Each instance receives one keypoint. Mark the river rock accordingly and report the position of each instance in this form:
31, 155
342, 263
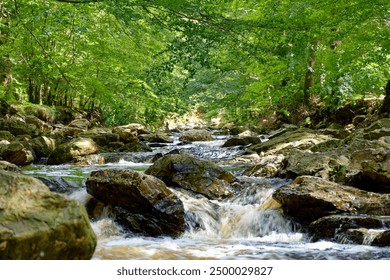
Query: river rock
370, 170
335, 227
301, 138
38, 224
5, 165
70, 151
241, 141
267, 166
126, 134
83, 124
374, 237
378, 129
42, 146
308, 198
199, 176
18, 126
194, 135
17, 153
142, 203
157, 137
62, 132
40, 125
326, 165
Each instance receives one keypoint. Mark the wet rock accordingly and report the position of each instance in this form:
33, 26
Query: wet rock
326, 165
364, 236
38, 224
199, 176
301, 138
307, 199
242, 141
194, 135
156, 138
335, 227
68, 152
268, 166
17, 153
141, 203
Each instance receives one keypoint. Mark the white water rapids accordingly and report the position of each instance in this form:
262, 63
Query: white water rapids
247, 226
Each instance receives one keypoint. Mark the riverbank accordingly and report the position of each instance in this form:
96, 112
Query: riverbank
332, 183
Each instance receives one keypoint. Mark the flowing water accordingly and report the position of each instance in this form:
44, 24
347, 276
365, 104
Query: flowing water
246, 226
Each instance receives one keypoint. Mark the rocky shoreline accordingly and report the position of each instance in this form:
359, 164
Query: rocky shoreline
340, 189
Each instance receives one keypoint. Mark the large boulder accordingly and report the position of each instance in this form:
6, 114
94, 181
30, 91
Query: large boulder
308, 198
83, 124
126, 134
327, 165
141, 203
377, 129
18, 126
338, 227
301, 138
189, 173
38, 224
72, 151
5, 165
267, 166
42, 146
17, 153
370, 170
194, 135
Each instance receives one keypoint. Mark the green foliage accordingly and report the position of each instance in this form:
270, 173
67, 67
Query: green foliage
137, 61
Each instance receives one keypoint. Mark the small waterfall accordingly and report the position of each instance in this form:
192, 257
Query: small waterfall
251, 214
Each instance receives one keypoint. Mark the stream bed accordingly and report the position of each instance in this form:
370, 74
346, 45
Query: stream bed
239, 228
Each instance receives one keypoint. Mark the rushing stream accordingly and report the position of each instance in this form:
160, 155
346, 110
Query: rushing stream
243, 227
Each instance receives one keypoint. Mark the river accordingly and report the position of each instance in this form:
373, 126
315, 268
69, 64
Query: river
242, 227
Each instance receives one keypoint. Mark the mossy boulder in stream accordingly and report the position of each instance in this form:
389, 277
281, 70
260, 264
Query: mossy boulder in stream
189, 173
140, 202
38, 224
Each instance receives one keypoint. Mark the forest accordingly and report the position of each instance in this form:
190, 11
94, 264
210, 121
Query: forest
243, 60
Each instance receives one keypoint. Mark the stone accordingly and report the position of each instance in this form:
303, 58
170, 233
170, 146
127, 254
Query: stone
126, 134
38, 224
242, 141
334, 227
42, 146
308, 198
194, 135
17, 153
6, 135
377, 129
135, 147
158, 137
5, 165
268, 166
141, 203
83, 124
70, 151
301, 138
192, 174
